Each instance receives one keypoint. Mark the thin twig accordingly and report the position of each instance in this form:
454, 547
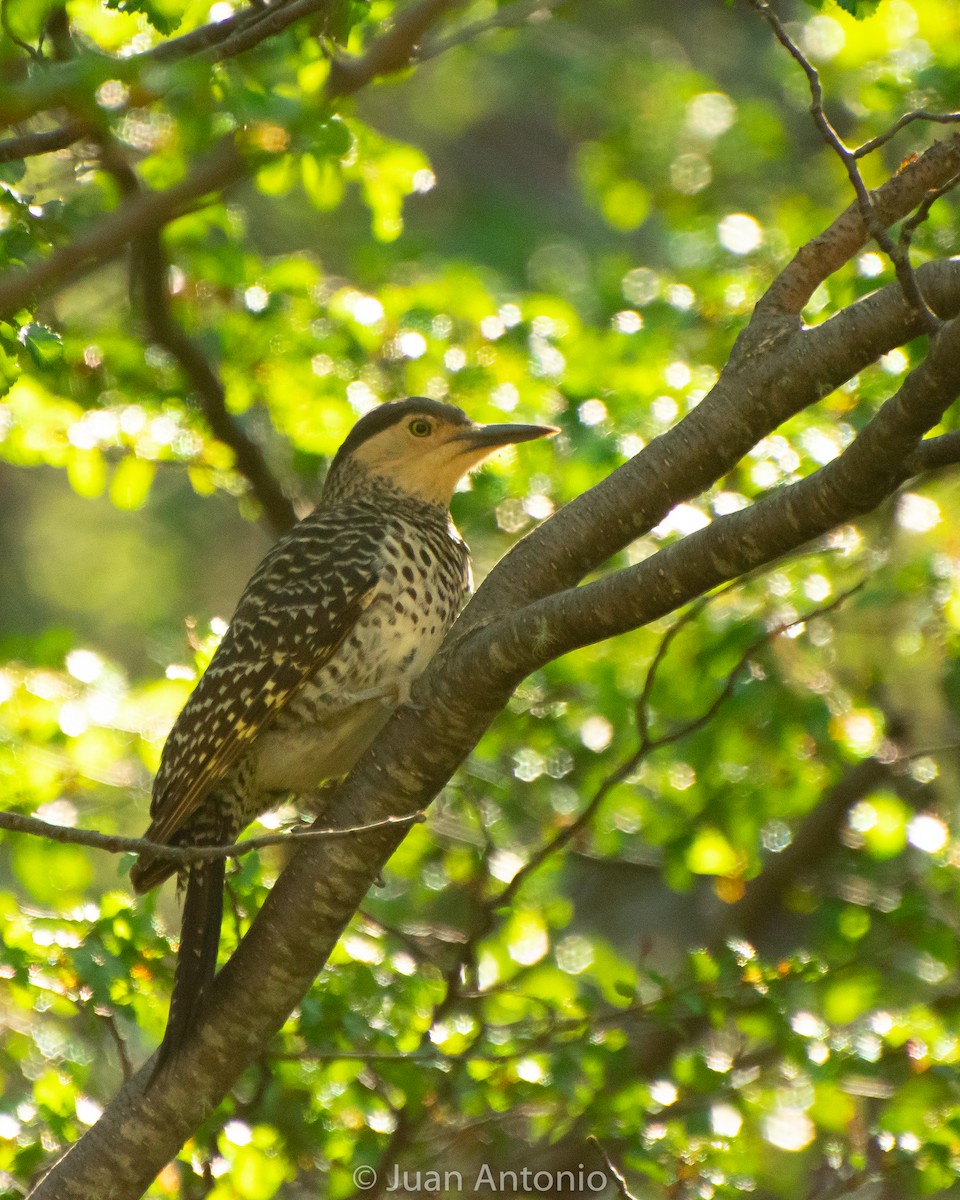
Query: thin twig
918, 114
393, 51
243, 31
615, 1172
17, 41
512, 16
115, 844
149, 268
909, 227
642, 706
166, 331
647, 745
110, 1021
897, 253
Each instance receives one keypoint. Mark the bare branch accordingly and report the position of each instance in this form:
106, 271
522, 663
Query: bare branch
17, 41
869, 470
918, 114
110, 1022
511, 16
167, 332
64, 83
646, 743
616, 1174
115, 844
391, 52
244, 30
817, 834
909, 227
898, 253
766, 382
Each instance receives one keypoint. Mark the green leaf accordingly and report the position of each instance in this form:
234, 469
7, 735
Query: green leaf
164, 15
43, 343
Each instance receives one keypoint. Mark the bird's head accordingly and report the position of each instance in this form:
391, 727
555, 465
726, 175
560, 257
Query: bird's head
419, 447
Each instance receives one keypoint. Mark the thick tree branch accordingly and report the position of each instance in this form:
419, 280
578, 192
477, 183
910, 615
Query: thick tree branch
868, 471
757, 391
935, 453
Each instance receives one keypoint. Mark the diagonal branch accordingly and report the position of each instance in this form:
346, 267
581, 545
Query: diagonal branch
62, 84
224, 166
647, 744
307, 910
167, 332
866, 473
149, 267
237, 34
848, 234
760, 388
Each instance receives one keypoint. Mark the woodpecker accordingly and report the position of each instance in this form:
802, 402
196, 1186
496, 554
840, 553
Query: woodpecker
329, 635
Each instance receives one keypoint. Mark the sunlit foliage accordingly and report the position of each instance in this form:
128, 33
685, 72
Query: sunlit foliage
567, 221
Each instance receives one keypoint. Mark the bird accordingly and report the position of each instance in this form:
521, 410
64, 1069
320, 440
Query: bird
330, 634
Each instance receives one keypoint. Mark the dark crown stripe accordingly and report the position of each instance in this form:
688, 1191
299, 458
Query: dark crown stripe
385, 415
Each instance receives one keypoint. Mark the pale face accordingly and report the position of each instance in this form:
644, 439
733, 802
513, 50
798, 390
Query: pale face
426, 456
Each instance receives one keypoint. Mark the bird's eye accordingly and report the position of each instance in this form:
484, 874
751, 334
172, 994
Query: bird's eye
420, 427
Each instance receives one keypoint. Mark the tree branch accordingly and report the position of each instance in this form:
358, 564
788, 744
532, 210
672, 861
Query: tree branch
237, 34
391, 52
935, 453
115, 844
305, 913
619, 1180
167, 332
150, 269
761, 387
898, 253
26, 145
868, 471
64, 84
847, 236
223, 166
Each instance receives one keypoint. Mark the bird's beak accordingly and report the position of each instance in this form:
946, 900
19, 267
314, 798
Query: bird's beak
491, 437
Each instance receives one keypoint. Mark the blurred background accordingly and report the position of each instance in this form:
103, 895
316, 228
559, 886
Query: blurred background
564, 213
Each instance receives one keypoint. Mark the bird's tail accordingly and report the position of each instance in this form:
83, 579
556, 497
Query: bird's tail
197, 960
